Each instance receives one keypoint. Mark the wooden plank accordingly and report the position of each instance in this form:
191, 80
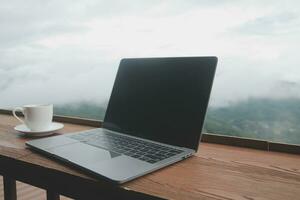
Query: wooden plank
235, 141
273, 146
77, 120
234, 176
215, 172
10, 190
289, 163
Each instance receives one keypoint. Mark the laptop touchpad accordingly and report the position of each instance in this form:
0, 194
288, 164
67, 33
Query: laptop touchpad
82, 153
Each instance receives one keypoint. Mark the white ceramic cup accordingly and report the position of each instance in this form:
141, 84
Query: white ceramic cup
36, 117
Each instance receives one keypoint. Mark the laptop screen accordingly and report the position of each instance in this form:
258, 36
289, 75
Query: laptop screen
162, 99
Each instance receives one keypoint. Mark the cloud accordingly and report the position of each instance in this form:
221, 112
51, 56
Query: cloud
24, 22
275, 24
68, 51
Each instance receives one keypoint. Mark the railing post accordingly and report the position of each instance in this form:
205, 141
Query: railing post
10, 190
52, 195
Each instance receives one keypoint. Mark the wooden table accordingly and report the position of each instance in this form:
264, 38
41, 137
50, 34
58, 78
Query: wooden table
216, 172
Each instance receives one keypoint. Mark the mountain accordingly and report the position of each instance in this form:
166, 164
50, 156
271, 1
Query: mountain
274, 120
83, 109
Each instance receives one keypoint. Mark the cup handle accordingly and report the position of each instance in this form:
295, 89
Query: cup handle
14, 113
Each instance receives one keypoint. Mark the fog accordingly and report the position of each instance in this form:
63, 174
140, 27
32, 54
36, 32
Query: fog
68, 51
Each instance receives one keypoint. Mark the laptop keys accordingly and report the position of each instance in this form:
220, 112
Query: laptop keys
142, 150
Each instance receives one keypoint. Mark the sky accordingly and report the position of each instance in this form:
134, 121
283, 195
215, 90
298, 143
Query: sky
65, 52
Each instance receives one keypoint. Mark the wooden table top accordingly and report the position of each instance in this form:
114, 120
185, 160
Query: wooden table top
215, 172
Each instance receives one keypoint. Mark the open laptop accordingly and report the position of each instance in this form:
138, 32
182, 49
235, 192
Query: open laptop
154, 118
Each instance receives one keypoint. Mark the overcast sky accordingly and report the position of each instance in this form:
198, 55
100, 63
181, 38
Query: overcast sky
68, 51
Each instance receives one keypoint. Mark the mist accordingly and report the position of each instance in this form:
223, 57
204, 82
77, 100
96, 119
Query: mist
65, 52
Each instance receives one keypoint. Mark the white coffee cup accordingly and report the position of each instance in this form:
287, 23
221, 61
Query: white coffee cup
36, 117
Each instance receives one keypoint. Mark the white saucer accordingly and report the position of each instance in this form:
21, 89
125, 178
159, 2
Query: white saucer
53, 127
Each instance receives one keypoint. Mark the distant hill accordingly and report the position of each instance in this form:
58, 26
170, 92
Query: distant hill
82, 109
274, 120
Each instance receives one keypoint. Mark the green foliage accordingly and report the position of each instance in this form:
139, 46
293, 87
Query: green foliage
273, 120
83, 109
267, 119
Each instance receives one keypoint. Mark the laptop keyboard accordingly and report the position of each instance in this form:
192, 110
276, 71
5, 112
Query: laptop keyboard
142, 150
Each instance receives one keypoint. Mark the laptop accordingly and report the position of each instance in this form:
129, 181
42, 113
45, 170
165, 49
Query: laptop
154, 118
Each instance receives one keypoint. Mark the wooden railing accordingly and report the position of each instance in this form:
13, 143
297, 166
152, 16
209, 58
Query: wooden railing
206, 137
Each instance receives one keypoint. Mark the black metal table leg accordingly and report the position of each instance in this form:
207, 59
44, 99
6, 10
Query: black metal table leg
10, 189
52, 195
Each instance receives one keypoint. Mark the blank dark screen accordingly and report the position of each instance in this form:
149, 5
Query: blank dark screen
162, 99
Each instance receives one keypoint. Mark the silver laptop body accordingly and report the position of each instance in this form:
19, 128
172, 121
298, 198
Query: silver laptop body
154, 118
